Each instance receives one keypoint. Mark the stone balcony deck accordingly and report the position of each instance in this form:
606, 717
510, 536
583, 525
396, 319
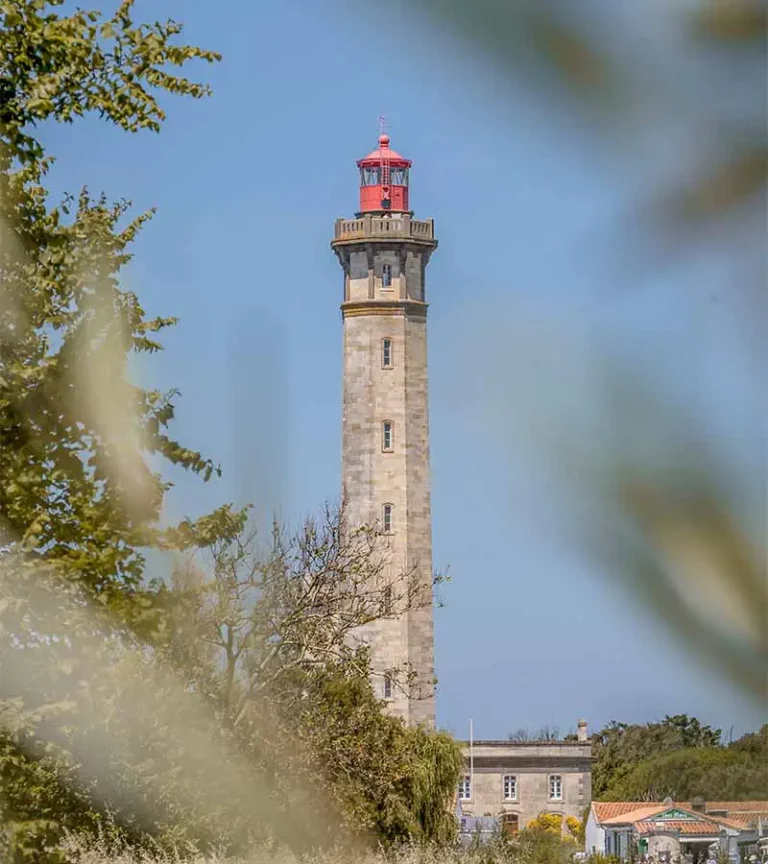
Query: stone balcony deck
383, 228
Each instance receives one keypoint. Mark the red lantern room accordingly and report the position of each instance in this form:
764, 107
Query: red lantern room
384, 180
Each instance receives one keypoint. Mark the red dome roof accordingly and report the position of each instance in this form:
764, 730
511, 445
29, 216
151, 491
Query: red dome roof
384, 152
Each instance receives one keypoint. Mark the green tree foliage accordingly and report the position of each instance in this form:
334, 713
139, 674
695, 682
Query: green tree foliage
678, 758
620, 746
79, 500
75, 486
233, 724
714, 773
393, 782
293, 688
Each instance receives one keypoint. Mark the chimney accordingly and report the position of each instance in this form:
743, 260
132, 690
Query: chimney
698, 804
581, 735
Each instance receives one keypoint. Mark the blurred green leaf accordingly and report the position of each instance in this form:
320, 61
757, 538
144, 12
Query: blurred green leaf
735, 21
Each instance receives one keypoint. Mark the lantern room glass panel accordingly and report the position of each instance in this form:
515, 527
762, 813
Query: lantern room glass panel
398, 177
370, 176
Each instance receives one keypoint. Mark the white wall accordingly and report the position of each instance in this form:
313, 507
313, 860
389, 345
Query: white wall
594, 834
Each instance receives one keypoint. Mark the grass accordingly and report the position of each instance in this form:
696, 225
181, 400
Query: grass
104, 852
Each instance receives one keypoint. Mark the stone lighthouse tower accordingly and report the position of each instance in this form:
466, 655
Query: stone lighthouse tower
385, 427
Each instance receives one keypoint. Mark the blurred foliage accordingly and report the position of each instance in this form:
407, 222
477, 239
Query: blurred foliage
115, 712
75, 484
164, 741
532, 849
659, 507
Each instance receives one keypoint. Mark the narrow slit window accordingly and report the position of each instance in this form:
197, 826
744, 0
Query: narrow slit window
386, 275
388, 600
387, 685
386, 353
386, 519
388, 436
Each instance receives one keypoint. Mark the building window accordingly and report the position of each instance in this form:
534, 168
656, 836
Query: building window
386, 520
510, 787
387, 436
386, 353
387, 685
555, 787
388, 597
465, 788
386, 275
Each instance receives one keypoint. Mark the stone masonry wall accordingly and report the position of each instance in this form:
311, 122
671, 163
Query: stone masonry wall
372, 478
532, 765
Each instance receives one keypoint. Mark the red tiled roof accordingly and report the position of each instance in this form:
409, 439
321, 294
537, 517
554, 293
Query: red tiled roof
709, 829
738, 806
745, 813
740, 812
643, 811
608, 809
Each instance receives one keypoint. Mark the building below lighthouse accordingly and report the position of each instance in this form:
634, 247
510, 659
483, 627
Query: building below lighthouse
384, 254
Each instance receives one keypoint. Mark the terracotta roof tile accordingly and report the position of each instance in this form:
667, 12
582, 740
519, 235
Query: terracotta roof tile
644, 811
739, 812
709, 829
608, 809
738, 806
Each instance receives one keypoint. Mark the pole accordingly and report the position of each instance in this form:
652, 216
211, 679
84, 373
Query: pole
471, 760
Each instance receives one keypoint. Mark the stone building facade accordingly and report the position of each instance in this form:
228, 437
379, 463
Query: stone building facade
514, 782
385, 440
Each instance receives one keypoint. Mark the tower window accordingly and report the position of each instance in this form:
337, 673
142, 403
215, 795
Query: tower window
465, 788
386, 519
388, 600
510, 787
387, 685
386, 275
386, 353
388, 436
555, 787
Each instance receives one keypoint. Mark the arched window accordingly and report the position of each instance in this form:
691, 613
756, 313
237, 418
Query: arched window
387, 685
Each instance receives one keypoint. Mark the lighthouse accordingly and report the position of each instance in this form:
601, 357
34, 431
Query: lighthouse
384, 254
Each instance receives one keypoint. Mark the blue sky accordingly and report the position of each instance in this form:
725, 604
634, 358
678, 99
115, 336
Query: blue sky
527, 200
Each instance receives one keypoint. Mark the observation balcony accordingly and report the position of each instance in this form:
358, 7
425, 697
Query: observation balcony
378, 228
